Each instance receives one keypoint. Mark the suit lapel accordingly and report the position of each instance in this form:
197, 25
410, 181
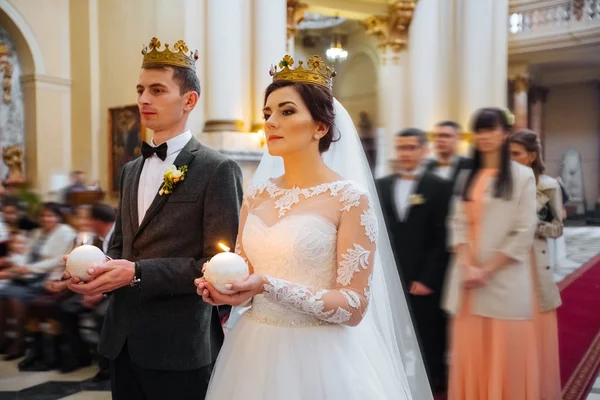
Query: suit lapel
135, 178
392, 198
184, 157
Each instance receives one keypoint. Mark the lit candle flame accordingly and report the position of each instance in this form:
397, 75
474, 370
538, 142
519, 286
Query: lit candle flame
225, 248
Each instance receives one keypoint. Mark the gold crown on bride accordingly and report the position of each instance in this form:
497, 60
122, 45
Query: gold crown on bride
317, 73
177, 58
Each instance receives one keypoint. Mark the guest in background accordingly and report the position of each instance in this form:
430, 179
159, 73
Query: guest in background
525, 148
489, 290
17, 251
14, 216
447, 163
415, 204
77, 184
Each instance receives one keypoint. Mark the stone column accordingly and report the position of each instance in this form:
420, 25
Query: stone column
295, 15
187, 21
482, 55
270, 36
537, 99
228, 81
391, 31
520, 101
431, 63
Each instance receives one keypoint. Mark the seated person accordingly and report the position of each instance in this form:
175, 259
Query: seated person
48, 245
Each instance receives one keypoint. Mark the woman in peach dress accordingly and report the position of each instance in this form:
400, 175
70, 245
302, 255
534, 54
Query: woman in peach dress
525, 148
489, 289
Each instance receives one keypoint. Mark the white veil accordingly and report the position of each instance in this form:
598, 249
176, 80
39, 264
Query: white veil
388, 308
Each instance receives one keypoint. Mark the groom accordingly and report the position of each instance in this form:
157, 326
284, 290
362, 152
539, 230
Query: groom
161, 338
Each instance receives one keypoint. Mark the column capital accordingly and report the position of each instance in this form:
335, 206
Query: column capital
521, 83
295, 15
391, 30
538, 93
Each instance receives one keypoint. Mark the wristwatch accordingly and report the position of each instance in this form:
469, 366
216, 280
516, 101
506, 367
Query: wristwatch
137, 277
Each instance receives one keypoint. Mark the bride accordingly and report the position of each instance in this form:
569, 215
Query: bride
328, 318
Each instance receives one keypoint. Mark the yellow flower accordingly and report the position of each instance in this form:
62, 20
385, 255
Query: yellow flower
161, 192
416, 199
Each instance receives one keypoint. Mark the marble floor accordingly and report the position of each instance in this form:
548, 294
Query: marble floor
582, 244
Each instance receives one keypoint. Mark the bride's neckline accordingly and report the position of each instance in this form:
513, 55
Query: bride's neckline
319, 186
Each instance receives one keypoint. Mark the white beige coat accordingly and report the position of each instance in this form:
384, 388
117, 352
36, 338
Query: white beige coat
58, 243
506, 226
548, 190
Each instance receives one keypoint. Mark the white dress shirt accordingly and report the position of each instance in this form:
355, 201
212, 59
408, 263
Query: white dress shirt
445, 172
403, 189
106, 239
153, 172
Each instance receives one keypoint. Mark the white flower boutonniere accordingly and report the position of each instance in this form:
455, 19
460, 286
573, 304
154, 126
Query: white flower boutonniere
172, 175
416, 199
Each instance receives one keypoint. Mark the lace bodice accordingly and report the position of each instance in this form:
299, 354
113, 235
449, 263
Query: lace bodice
315, 247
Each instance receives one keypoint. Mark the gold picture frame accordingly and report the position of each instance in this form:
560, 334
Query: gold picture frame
125, 136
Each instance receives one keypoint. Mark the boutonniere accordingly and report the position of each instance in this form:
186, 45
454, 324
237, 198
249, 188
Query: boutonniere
416, 199
172, 175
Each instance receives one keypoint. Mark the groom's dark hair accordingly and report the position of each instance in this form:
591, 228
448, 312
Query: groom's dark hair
319, 102
186, 79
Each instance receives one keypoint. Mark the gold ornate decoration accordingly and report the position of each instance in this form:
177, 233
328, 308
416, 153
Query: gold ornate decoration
295, 15
178, 58
392, 29
318, 72
13, 158
7, 69
521, 83
468, 137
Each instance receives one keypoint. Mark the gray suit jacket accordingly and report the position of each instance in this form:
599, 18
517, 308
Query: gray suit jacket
165, 324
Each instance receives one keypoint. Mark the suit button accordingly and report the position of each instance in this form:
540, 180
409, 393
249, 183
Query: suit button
548, 267
135, 252
543, 251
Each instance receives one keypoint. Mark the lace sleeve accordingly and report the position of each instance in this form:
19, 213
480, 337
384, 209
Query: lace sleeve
239, 247
347, 303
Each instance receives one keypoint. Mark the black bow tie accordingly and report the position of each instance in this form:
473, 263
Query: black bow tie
161, 151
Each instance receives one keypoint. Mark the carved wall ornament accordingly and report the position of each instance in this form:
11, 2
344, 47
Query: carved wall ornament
391, 30
578, 8
13, 158
295, 15
7, 70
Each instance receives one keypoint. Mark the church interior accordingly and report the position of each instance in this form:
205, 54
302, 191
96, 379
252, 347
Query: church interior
69, 69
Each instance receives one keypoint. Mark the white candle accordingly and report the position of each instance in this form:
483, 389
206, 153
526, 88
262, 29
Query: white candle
225, 268
83, 258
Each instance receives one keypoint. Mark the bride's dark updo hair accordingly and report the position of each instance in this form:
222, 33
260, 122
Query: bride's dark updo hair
319, 102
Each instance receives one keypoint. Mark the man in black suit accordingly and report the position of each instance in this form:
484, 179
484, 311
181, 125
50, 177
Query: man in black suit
448, 164
161, 339
415, 206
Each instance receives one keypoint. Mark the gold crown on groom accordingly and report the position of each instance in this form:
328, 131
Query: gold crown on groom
317, 73
166, 57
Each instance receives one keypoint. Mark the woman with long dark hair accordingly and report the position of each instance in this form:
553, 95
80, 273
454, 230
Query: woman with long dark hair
525, 148
489, 289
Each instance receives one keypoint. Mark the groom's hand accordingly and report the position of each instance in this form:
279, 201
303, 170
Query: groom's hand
110, 276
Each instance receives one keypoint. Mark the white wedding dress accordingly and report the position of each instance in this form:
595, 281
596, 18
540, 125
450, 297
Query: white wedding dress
316, 247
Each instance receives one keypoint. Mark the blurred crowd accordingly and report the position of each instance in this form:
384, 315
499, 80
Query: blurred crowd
40, 319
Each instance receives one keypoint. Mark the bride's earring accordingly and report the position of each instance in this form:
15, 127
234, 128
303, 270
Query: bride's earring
317, 137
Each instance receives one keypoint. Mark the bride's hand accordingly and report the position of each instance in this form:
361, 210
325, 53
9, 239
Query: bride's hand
244, 291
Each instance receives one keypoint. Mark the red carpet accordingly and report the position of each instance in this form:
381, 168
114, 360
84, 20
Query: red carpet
579, 330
